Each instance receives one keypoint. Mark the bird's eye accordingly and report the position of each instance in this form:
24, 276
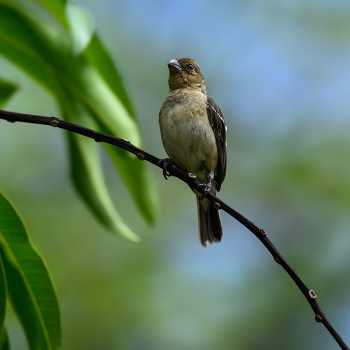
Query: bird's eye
190, 66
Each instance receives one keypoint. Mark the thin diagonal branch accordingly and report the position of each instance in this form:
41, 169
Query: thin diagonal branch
190, 179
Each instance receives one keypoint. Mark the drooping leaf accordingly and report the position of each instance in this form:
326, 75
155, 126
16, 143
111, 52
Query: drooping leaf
98, 56
56, 8
7, 89
87, 175
3, 296
47, 57
4, 339
29, 283
136, 179
88, 180
82, 27
22, 43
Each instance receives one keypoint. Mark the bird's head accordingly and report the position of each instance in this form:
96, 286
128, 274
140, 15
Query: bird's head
185, 73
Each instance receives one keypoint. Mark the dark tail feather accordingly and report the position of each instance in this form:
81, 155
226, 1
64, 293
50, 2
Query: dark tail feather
210, 229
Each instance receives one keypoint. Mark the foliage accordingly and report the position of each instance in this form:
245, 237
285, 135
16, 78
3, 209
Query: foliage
25, 280
65, 56
59, 50
6, 91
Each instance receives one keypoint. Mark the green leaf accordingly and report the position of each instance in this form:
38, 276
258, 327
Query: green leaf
22, 43
97, 55
29, 284
87, 175
4, 344
86, 85
45, 54
82, 27
3, 293
134, 173
4, 340
56, 7
6, 91
138, 180
88, 180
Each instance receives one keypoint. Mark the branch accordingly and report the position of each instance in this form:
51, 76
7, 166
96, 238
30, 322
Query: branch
190, 179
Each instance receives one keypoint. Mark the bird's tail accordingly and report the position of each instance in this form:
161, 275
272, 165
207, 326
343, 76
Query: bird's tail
209, 223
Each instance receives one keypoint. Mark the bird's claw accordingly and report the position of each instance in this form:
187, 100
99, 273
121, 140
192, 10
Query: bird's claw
207, 188
164, 163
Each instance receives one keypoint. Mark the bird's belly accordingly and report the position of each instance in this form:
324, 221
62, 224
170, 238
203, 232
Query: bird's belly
189, 140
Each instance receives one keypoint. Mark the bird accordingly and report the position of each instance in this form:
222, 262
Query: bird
193, 133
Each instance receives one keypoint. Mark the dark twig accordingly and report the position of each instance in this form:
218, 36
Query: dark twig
190, 179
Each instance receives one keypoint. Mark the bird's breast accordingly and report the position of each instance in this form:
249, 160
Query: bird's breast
187, 135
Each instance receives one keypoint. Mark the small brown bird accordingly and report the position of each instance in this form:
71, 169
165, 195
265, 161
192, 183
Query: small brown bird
193, 132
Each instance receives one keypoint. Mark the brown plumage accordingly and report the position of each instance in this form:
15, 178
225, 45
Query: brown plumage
193, 132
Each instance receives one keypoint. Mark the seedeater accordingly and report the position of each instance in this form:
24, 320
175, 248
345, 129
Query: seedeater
193, 133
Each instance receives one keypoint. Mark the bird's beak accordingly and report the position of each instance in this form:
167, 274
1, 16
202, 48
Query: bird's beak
174, 66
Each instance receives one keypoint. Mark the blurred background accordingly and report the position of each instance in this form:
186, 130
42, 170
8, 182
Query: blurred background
280, 73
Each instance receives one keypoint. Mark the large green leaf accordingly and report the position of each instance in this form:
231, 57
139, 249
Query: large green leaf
88, 180
29, 284
82, 26
57, 9
3, 297
4, 340
21, 42
47, 56
97, 55
4, 343
7, 89
86, 172
136, 178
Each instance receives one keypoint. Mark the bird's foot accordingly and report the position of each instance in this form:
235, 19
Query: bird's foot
164, 163
207, 188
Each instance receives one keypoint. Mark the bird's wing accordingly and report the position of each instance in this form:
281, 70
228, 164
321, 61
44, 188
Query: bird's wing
219, 127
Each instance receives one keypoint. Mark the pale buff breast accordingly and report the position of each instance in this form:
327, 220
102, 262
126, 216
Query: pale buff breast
186, 133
